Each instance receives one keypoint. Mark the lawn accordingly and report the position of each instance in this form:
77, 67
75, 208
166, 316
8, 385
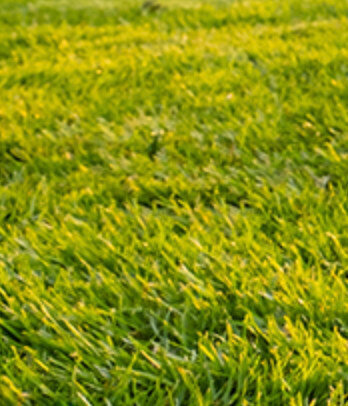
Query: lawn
173, 202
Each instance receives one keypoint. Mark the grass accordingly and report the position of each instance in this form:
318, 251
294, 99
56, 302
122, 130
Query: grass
173, 202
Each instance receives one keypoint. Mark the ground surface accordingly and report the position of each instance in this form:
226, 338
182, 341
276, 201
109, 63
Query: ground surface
173, 202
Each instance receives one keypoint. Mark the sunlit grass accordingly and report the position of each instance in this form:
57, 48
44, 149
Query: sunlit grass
173, 202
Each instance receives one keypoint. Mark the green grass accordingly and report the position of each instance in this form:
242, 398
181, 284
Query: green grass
173, 203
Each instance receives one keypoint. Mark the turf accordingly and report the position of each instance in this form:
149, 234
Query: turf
173, 202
